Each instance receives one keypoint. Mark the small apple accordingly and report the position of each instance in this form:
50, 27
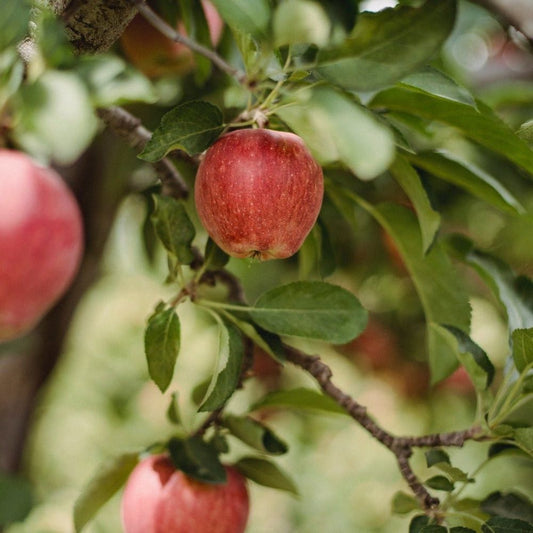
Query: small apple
41, 241
156, 55
160, 499
258, 193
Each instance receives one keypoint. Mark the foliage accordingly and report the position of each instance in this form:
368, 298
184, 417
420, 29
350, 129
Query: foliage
413, 159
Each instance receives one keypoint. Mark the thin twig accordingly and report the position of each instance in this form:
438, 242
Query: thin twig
168, 31
131, 129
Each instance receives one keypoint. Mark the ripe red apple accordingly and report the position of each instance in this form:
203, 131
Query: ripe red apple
160, 499
258, 193
156, 55
41, 241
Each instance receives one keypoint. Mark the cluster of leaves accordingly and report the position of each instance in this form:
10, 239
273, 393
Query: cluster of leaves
363, 90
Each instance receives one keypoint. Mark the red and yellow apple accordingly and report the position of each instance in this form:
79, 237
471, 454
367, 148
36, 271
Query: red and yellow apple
160, 499
41, 241
258, 193
156, 55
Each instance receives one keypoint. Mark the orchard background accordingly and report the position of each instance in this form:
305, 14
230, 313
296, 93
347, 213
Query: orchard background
420, 115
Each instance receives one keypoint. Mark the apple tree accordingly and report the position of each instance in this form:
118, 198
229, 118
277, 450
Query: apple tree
328, 208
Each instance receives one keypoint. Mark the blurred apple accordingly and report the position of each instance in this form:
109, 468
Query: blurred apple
160, 499
258, 193
459, 382
265, 368
156, 55
41, 241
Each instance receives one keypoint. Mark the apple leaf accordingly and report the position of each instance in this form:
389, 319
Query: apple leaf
434, 528
432, 81
214, 257
173, 227
515, 293
255, 434
386, 46
445, 302
403, 503
197, 459
266, 473
509, 505
311, 309
473, 357
409, 181
107, 481
481, 125
192, 127
476, 181
300, 21
337, 128
435, 456
299, 398
418, 522
524, 436
16, 498
523, 348
162, 344
112, 81
173, 410
54, 117
14, 22
499, 524
246, 16
228, 366
439, 483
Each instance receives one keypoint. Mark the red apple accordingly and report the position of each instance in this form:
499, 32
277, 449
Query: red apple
156, 55
41, 241
459, 381
160, 499
258, 193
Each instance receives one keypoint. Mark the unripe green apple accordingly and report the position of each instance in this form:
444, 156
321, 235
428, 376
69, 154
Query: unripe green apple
160, 499
156, 55
41, 241
258, 193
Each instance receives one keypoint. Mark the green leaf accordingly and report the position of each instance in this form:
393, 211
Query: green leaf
386, 46
228, 367
266, 473
255, 434
454, 474
509, 505
197, 459
433, 528
409, 181
161, 345
473, 357
513, 292
524, 437
246, 16
300, 398
311, 309
14, 22
445, 302
54, 117
112, 81
191, 127
439, 483
16, 499
173, 410
454, 170
525, 132
107, 481
336, 128
300, 21
403, 503
522, 348
435, 456
506, 525
173, 227
481, 125
214, 257
418, 522
432, 81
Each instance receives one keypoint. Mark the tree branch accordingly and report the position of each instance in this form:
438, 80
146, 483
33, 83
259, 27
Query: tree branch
157, 22
129, 127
